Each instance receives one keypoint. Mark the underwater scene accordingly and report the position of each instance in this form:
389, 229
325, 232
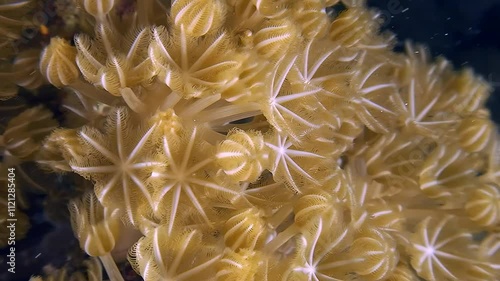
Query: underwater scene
249, 140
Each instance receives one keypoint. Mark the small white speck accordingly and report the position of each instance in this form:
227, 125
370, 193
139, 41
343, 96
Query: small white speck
446, 34
405, 10
39, 254
448, 18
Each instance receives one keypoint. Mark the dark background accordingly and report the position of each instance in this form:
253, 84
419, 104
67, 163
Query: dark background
466, 32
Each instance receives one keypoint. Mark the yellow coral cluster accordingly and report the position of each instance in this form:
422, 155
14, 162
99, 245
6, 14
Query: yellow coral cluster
18, 66
267, 140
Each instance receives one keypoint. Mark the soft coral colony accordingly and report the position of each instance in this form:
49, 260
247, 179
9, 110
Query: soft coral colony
270, 140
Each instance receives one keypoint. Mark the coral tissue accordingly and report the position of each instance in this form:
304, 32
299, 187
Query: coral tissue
271, 140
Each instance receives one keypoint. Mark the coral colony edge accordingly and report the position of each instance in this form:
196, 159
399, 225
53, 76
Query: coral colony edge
251, 140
